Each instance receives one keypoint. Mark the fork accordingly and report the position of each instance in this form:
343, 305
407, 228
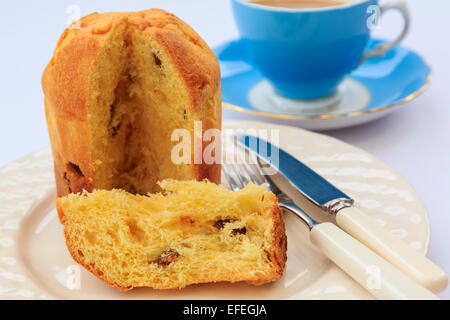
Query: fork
371, 271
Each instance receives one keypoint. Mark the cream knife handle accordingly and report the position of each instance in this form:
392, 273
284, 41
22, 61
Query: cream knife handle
376, 275
367, 231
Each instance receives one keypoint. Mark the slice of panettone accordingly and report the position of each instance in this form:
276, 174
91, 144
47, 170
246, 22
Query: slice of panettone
193, 232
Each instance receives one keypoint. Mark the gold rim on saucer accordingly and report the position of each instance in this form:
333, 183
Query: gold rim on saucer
408, 98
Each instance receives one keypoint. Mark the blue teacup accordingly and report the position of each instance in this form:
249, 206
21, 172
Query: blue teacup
306, 53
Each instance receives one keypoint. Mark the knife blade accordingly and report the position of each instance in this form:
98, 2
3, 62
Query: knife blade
351, 219
308, 182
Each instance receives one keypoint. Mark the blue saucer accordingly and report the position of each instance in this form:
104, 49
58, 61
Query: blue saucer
376, 88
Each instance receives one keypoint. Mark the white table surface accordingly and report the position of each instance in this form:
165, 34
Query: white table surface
414, 140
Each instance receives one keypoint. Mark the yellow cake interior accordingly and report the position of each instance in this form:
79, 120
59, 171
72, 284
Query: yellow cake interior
193, 232
139, 99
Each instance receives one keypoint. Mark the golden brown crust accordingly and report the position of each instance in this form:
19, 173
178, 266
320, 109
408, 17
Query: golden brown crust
65, 83
279, 235
277, 253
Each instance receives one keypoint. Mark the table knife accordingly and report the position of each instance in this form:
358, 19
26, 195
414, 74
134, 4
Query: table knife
348, 217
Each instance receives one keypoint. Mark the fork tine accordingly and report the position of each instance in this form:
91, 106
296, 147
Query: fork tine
282, 197
251, 173
239, 173
258, 175
262, 175
230, 180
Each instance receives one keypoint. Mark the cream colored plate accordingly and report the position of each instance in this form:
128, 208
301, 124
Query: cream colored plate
34, 262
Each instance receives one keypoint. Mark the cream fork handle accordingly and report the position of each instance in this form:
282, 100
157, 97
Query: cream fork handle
376, 275
364, 229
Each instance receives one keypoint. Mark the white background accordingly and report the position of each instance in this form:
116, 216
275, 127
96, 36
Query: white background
414, 140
